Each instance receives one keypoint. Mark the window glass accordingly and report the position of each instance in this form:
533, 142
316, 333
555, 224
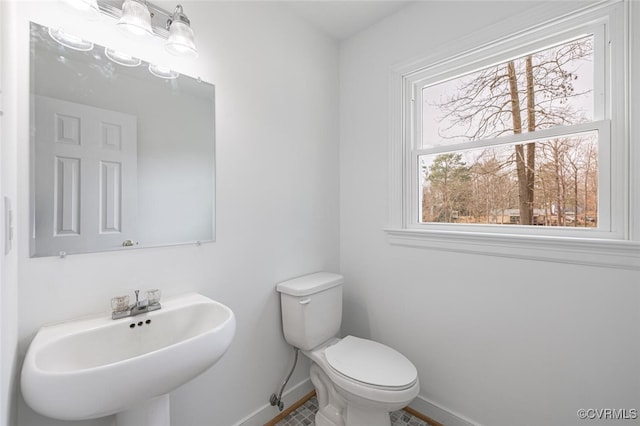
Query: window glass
481, 185
547, 88
499, 169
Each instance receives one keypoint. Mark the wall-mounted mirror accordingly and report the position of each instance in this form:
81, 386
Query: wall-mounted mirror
122, 154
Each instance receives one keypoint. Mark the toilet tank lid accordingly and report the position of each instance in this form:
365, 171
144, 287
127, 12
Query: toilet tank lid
310, 284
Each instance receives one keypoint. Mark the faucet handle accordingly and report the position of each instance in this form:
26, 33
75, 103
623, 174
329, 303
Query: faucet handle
120, 303
153, 296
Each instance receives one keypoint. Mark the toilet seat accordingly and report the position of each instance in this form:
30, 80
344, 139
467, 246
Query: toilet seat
371, 363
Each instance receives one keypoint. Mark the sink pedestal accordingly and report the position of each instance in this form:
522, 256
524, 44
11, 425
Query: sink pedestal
153, 412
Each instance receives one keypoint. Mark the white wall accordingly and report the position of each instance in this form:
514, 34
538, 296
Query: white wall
496, 341
8, 263
277, 194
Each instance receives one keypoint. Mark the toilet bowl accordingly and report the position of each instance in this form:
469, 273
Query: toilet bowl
358, 381
370, 379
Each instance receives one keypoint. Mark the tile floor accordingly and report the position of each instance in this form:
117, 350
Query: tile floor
304, 415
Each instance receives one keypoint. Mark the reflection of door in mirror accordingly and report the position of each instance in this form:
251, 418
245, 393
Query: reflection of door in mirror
85, 177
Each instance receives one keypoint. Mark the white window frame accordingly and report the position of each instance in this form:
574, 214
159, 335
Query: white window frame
611, 244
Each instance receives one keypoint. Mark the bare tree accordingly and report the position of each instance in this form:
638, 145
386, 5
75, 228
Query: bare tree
529, 93
554, 155
590, 183
448, 177
493, 190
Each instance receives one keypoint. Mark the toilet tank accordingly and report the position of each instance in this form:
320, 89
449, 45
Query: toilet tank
311, 309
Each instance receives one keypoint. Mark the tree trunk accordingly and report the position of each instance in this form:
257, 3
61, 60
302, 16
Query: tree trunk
575, 197
531, 147
525, 217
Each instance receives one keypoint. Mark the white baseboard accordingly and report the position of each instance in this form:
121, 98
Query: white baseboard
440, 414
268, 412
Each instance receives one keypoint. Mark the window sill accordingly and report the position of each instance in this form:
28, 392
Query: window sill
621, 254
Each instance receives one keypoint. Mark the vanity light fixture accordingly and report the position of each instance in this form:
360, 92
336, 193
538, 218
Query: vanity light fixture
141, 17
121, 58
136, 18
69, 40
180, 41
163, 72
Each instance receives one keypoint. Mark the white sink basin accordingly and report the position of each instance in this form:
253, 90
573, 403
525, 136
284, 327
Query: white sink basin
94, 367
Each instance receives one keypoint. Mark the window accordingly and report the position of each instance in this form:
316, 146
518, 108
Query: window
517, 145
469, 172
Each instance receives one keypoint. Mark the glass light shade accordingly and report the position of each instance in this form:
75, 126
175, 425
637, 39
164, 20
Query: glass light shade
180, 41
121, 58
163, 72
69, 40
135, 18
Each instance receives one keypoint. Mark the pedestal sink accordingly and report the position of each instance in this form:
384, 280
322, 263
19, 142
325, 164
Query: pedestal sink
94, 367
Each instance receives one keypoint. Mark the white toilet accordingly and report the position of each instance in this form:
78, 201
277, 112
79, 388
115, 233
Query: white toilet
358, 382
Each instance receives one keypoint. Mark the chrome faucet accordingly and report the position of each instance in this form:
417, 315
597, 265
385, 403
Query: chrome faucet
141, 306
121, 308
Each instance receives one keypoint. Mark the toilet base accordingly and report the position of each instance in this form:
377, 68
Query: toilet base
359, 416
322, 420
333, 410
330, 405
